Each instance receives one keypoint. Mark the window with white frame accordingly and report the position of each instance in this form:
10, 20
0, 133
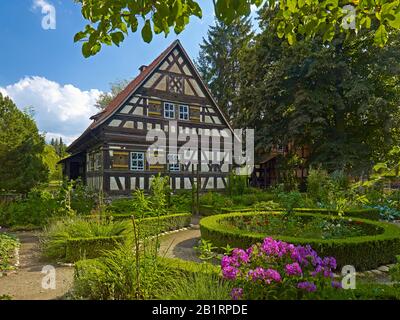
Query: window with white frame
173, 162
137, 161
183, 112
169, 110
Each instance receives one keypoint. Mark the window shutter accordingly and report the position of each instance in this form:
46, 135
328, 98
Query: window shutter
155, 109
120, 160
194, 113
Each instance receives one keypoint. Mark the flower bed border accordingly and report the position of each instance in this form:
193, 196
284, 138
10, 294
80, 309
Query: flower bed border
364, 252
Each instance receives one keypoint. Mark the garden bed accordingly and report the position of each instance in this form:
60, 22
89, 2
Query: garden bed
76, 248
363, 252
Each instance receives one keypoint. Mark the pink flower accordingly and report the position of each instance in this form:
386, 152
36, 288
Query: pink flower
293, 269
230, 272
236, 293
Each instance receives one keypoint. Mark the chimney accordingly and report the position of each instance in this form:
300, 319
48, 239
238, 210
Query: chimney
142, 68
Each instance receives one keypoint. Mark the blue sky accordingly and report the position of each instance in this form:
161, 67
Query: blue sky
31, 50
45, 69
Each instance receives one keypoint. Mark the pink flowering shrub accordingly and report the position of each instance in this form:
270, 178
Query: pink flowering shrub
278, 270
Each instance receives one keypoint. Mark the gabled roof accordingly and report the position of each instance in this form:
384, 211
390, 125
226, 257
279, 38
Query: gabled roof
129, 90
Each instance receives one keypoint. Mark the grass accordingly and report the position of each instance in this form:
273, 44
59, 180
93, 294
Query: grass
201, 286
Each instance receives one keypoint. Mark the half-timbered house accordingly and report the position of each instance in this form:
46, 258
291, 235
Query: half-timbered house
110, 155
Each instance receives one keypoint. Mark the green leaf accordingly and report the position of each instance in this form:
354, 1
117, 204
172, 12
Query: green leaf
396, 22
381, 36
147, 33
86, 50
79, 36
117, 37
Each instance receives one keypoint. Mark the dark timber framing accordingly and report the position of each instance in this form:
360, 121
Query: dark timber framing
104, 150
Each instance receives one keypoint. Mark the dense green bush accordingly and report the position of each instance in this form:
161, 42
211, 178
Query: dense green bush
364, 252
73, 238
87, 248
35, 209
41, 205
8, 244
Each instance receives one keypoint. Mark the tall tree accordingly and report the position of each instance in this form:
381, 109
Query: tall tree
21, 149
218, 61
340, 99
115, 88
110, 22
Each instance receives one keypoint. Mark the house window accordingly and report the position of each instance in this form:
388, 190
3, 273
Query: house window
183, 112
169, 110
173, 162
137, 161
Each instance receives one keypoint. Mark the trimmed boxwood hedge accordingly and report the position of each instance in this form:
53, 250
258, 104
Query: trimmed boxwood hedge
88, 248
370, 214
364, 252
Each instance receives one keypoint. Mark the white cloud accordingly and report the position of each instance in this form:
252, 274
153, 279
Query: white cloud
59, 110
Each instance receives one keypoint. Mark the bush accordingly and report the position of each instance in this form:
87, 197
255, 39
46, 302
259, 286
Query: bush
35, 209
215, 199
317, 184
88, 248
8, 244
73, 238
364, 252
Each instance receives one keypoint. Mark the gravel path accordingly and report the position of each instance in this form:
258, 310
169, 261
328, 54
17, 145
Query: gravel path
26, 283
180, 245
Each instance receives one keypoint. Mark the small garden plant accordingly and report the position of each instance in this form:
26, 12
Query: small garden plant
8, 245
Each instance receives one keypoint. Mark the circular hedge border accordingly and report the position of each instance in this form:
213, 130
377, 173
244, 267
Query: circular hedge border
363, 252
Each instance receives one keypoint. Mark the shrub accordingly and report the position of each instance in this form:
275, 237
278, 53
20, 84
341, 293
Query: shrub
8, 244
290, 200
35, 209
364, 252
73, 238
76, 238
215, 199
237, 184
277, 270
317, 184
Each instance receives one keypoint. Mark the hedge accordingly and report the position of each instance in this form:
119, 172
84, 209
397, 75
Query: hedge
364, 252
370, 214
87, 248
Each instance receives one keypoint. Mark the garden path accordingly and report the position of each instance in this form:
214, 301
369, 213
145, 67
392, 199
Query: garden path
180, 244
26, 283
